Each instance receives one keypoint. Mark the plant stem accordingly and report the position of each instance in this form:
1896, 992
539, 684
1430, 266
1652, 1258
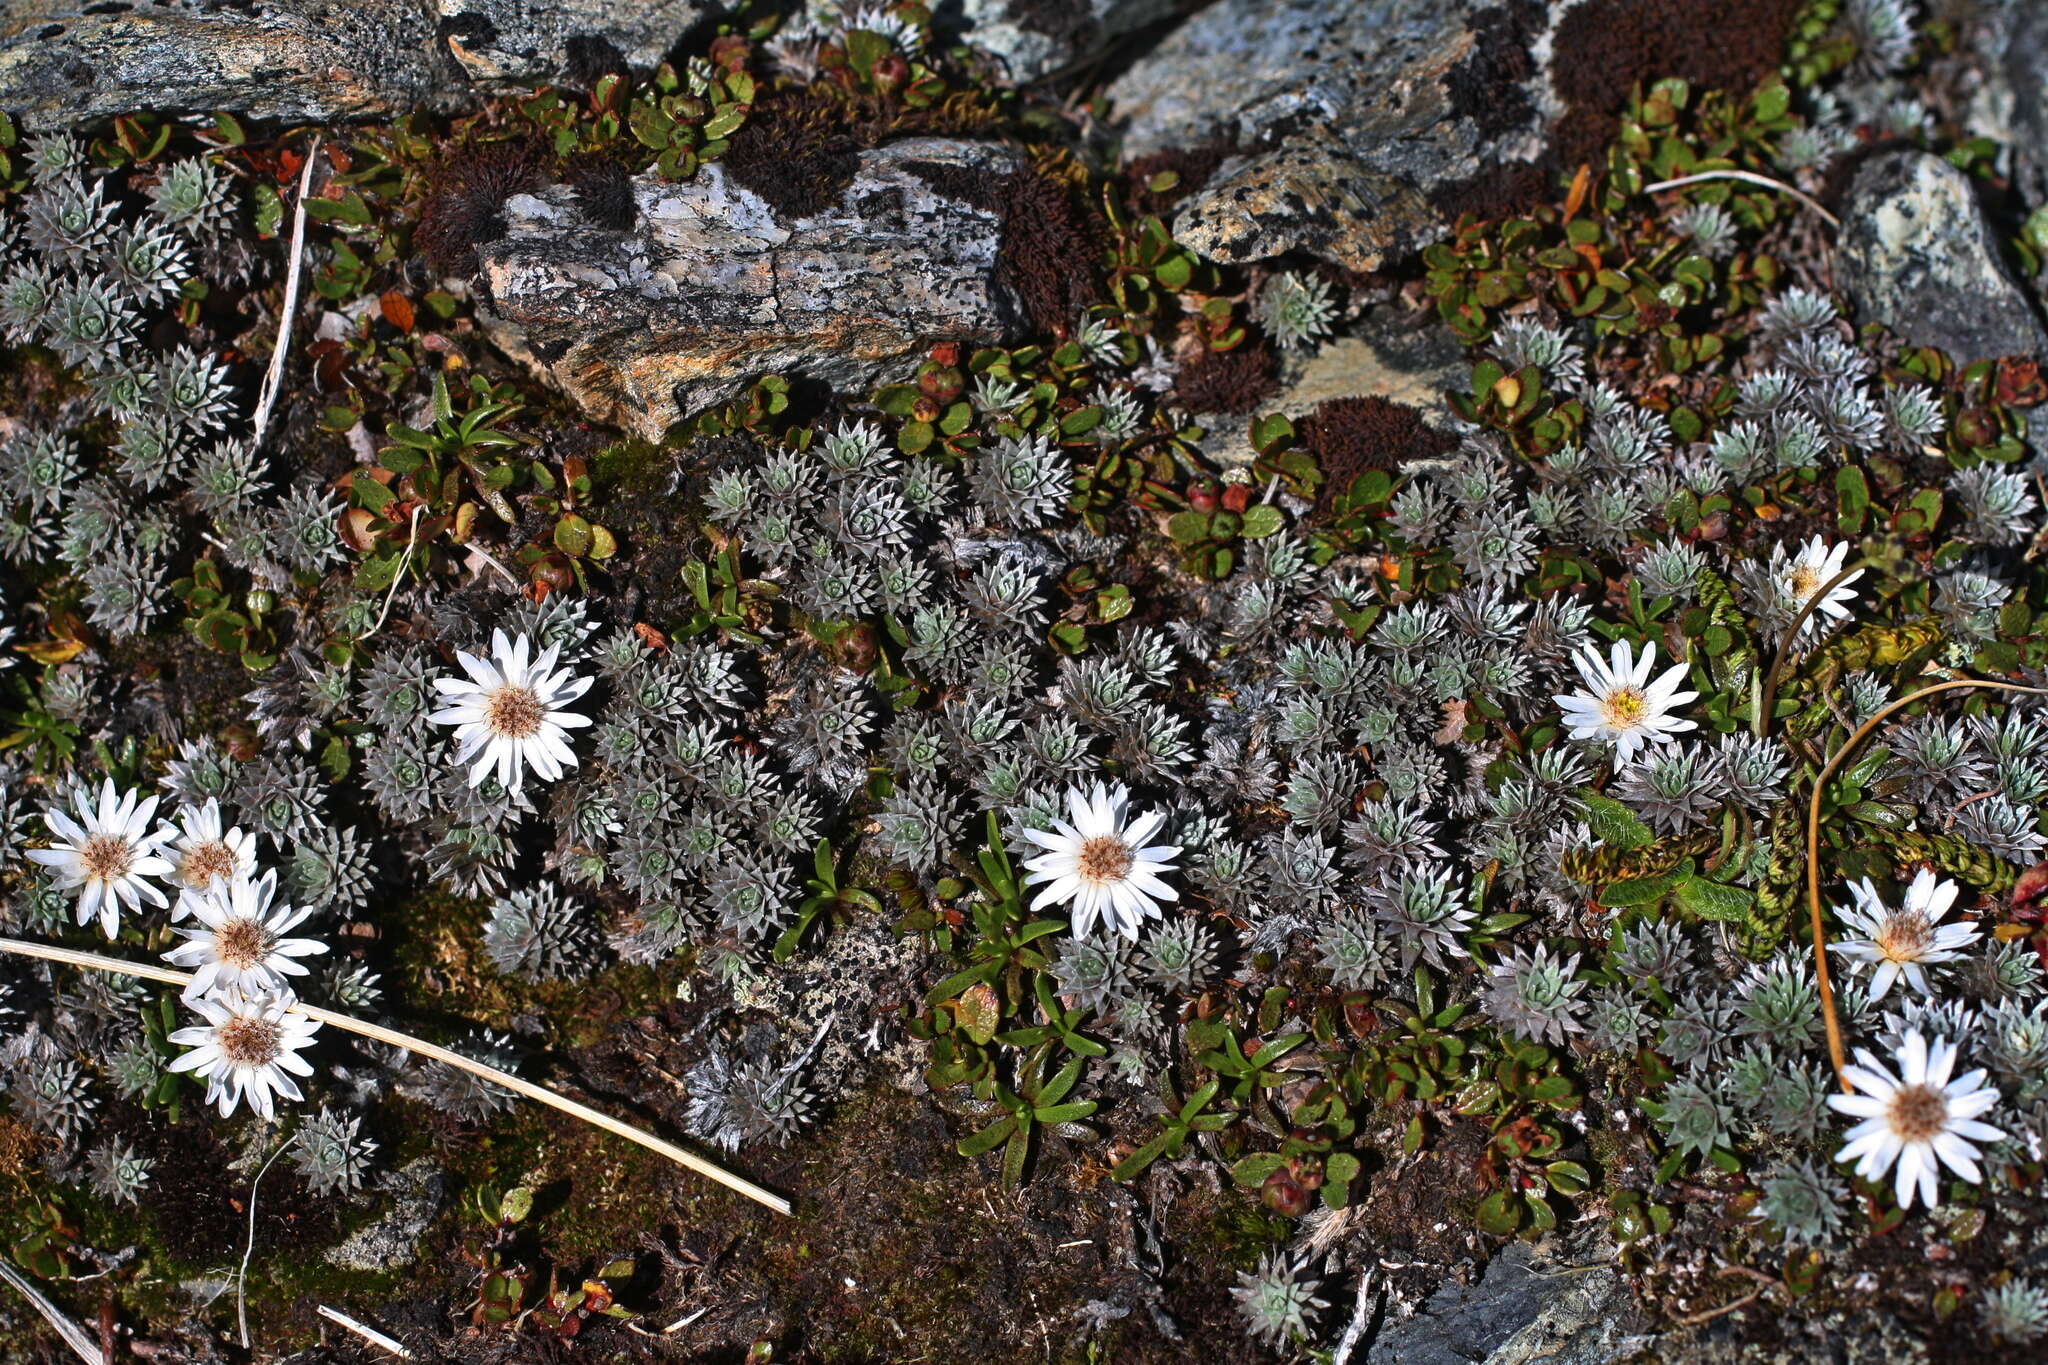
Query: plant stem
273, 377
1748, 178
1828, 770
1769, 702
348, 1024
68, 1331
249, 1247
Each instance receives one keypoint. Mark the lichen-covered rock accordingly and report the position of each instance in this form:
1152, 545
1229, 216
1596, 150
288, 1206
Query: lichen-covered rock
535, 42
710, 288
2019, 106
1916, 254
416, 1190
1517, 1313
1388, 356
1348, 115
1035, 38
65, 65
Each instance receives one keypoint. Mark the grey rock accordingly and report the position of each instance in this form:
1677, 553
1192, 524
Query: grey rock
417, 1190
710, 288
1035, 38
1348, 115
1916, 254
1523, 1309
536, 42
1391, 354
863, 974
64, 66
2020, 98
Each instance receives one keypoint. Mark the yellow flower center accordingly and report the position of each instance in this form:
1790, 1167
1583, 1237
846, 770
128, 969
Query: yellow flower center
106, 858
207, 863
514, 712
1803, 582
248, 1041
241, 942
1917, 1112
1624, 707
1104, 859
1904, 936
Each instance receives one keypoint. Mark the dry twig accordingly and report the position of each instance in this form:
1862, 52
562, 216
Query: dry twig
1836, 1052
273, 378
1749, 178
363, 1028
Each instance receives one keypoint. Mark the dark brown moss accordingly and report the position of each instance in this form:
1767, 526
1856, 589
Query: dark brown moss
604, 191
1351, 435
1606, 48
1487, 87
465, 200
591, 57
198, 1206
1232, 381
1050, 249
1194, 165
1050, 253
800, 149
1604, 51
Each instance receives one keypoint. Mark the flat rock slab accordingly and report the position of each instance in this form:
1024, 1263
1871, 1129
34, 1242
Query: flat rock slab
1916, 254
1525, 1308
65, 66
538, 42
710, 289
2025, 78
1035, 38
1349, 115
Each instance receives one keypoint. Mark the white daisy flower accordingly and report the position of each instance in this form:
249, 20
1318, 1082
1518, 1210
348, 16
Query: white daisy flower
244, 1049
512, 712
239, 945
203, 856
109, 850
1902, 942
1101, 864
1622, 704
1800, 577
1922, 1122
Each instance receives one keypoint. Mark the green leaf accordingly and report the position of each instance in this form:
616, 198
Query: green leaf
1067, 1113
1269, 432
269, 211
1134, 1165
989, 1138
864, 49
1500, 1213
1613, 823
516, 1206
725, 123
1188, 528
1262, 520
979, 1010
371, 495
1252, 1171
572, 536
1174, 272
1081, 421
1014, 1157
1713, 900
1636, 891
